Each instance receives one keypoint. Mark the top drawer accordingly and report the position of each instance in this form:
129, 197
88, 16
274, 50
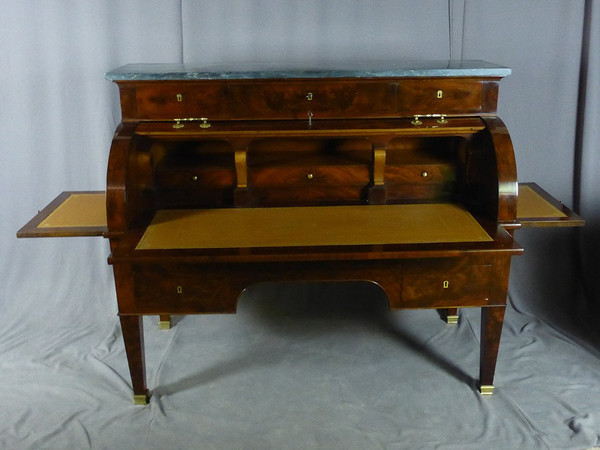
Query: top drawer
297, 100
180, 100
443, 97
304, 98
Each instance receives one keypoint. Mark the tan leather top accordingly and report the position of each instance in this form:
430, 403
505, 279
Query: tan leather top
311, 226
78, 210
531, 204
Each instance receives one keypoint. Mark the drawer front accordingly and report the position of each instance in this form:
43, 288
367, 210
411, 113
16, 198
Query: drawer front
196, 178
181, 100
420, 173
420, 182
181, 289
342, 175
445, 284
294, 100
440, 97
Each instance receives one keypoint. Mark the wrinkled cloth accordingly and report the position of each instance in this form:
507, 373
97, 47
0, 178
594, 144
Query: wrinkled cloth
300, 366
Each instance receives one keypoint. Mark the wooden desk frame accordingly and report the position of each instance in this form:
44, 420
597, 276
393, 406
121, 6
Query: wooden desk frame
277, 152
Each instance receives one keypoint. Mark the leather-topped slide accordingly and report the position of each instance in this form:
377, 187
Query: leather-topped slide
537, 208
80, 213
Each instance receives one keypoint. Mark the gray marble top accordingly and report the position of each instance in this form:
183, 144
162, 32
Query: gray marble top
255, 71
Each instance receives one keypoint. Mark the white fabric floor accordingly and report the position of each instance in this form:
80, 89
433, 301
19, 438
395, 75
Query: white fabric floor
303, 366
299, 366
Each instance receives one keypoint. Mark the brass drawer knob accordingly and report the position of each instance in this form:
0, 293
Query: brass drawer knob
424, 174
195, 178
310, 176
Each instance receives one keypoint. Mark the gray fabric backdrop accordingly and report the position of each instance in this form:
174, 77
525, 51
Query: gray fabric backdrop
57, 116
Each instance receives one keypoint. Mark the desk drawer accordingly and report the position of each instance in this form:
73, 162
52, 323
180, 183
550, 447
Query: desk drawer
420, 182
420, 173
441, 97
334, 175
180, 100
294, 99
196, 178
186, 289
445, 283
308, 185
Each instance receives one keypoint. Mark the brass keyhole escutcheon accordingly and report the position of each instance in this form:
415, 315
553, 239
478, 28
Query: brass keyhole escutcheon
179, 289
446, 284
310, 176
179, 97
309, 96
440, 94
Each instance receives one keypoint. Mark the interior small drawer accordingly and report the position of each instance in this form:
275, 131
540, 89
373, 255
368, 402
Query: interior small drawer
289, 176
445, 283
295, 100
420, 173
196, 177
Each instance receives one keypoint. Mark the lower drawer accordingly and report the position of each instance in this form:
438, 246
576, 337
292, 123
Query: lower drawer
186, 289
445, 283
215, 288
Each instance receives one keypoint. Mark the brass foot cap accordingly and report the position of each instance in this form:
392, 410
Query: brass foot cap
486, 389
452, 319
141, 399
164, 325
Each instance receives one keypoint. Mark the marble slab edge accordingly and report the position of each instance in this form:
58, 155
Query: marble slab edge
378, 69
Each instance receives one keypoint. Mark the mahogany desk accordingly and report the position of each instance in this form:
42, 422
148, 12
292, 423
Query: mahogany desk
395, 173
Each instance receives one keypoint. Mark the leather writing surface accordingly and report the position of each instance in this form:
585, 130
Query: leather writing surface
531, 204
78, 210
312, 226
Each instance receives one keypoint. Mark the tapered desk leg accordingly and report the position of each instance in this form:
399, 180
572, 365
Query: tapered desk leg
492, 319
133, 336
